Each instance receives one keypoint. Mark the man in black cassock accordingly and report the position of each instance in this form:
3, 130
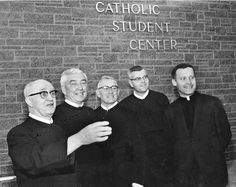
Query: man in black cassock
41, 154
148, 106
201, 133
72, 115
123, 154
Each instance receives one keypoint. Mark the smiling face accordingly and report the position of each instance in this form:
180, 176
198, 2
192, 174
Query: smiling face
75, 88
107, 91
37, 105
139, 81
185, 81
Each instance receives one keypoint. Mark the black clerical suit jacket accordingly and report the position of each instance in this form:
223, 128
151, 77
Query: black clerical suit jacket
206, 142
72, 120
39, 155
123, 154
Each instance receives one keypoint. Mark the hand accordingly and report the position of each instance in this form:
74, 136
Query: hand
136, 185
95, 132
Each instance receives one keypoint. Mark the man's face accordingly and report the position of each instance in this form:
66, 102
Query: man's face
185, 81
42, 107
139, 81
108, 92
75, 88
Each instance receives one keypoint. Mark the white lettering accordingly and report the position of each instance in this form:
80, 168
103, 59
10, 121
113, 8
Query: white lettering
115, 25
97, 8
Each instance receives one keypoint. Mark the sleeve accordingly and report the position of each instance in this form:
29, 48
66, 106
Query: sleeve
222, 125
33, 158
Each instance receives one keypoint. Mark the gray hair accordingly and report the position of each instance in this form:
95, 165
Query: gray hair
68, 72
105, 77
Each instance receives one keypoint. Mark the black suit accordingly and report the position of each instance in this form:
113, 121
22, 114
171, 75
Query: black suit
202, 146
72, 120
155, 136
123, 154
39, 155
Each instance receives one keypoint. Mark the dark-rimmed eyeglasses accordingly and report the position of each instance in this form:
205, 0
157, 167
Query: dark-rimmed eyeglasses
106, 88
138, 79
44, 94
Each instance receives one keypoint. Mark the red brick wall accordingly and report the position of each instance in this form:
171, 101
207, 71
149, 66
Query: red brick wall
40, 39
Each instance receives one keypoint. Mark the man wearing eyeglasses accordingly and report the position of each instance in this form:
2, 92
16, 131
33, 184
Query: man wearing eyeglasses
148, 106
41, 153
123, 153
72, 115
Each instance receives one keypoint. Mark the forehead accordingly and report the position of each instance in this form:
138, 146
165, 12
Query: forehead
41, 85
107, 82
184, 71
76, 77
138, 73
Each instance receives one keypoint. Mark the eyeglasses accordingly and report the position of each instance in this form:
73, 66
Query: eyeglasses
106, 88
138, 79
44, 94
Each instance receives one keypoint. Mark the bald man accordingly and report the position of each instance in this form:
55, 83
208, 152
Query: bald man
41, 153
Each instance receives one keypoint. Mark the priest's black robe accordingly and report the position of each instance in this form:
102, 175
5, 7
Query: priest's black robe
39, 155
156, 136
123, 153
72, 120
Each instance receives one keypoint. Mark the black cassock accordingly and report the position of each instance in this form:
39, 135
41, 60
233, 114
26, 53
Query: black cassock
123, 153
72, 120
39, 155
156, 136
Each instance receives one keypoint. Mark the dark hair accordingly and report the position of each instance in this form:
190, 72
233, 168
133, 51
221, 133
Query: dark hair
135, 68
180, 66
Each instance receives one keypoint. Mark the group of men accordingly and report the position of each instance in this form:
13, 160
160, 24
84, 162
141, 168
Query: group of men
141, 141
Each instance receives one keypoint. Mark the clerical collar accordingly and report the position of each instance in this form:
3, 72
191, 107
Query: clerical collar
141, 97
41, 119
74, 104
188, 98
109, 107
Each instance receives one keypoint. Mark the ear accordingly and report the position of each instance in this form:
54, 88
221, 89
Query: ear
118, 92
97, 93
63, 90
28, 102
130, 83
174, 83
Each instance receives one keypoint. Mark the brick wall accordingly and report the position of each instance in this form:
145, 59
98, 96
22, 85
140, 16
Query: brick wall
40, 39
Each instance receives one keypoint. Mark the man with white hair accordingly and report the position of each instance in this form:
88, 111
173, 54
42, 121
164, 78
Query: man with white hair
72, 115
41, 153
123, 153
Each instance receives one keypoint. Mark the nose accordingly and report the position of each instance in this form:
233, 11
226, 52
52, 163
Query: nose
189, 80
79, 86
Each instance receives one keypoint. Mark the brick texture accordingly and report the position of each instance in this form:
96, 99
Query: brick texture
40, 39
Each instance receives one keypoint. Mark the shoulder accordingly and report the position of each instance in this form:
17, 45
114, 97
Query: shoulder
61, 107
22, 128
159, 97
157, 94
207, 98
127, 101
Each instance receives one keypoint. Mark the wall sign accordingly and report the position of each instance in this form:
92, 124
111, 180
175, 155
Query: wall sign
139, 26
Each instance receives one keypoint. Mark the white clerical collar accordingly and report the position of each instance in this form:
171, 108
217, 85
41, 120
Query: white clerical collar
141, 96
109, 107
74, 104
41, 119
